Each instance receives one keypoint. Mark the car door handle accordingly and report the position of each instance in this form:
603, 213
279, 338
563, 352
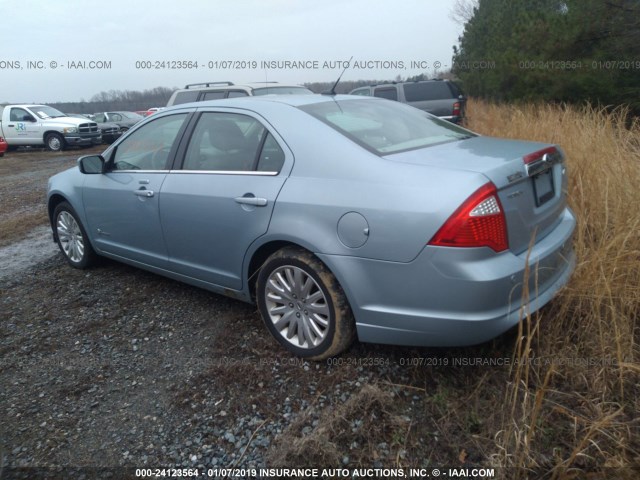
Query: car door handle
255, 201
143, 193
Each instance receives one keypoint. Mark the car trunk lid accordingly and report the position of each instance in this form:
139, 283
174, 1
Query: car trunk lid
530, 178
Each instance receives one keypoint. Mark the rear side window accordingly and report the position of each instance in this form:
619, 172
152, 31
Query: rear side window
237, 93
186, 97
224, 142
213, 95
419, 92
390, 93
271, 157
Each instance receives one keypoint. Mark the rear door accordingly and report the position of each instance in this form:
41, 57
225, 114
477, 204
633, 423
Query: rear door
221, 197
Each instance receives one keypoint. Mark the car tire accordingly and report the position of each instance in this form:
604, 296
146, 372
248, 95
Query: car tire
54, 142
72, 237
303, 305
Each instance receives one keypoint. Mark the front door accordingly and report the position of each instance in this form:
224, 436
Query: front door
22, 128
122, 205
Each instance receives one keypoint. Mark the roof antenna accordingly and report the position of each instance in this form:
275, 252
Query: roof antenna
333, 89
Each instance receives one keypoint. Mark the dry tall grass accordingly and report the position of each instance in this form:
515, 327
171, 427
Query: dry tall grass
575, 406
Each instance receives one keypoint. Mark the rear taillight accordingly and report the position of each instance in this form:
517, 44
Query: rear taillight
532, 157
456, 109
479, 222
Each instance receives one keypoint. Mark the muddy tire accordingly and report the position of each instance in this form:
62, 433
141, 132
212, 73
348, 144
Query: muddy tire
54, 142
72, 237
303, 306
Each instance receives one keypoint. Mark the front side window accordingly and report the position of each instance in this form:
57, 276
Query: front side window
385, 127
115, 117
20, 115
224, 142
148, 147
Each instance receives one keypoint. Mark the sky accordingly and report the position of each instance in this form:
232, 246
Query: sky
70, 50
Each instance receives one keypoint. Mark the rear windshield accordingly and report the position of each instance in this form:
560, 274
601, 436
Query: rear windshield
281, 91
385, 127
418, 92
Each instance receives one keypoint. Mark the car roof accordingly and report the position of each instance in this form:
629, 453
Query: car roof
231, 86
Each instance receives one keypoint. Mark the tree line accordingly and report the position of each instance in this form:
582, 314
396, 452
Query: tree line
550, 50
115, 100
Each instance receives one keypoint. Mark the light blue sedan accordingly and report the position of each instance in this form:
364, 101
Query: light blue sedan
342, 217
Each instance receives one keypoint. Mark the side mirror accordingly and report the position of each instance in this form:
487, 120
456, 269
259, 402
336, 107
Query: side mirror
91, 164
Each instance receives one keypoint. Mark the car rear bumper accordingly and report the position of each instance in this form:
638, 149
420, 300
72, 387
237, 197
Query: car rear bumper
453, 296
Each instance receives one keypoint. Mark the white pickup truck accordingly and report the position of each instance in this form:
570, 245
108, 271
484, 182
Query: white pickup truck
41, 125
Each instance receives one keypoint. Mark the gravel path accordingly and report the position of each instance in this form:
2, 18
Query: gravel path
114, 366
154, 373
33, 249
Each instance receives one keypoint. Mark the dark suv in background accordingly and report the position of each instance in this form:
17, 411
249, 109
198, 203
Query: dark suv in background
442, 98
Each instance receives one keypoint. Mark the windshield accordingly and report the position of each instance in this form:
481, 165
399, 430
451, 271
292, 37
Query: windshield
43, 111
282, 91
385, 127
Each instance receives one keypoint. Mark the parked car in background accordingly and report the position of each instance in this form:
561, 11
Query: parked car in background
441, 98
391, 224
199, 92
3, 146
153, 110
44, 126
110, 131
125, 120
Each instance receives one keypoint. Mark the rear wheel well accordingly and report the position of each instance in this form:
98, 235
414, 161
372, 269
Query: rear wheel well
258, 259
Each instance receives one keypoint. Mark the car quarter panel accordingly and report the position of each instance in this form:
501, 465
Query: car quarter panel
452, 296
403, 204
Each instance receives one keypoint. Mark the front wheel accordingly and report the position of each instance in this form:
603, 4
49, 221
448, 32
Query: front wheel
72, 238
303, 306
54, 142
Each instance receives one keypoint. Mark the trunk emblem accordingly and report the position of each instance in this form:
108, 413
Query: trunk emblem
514, 176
